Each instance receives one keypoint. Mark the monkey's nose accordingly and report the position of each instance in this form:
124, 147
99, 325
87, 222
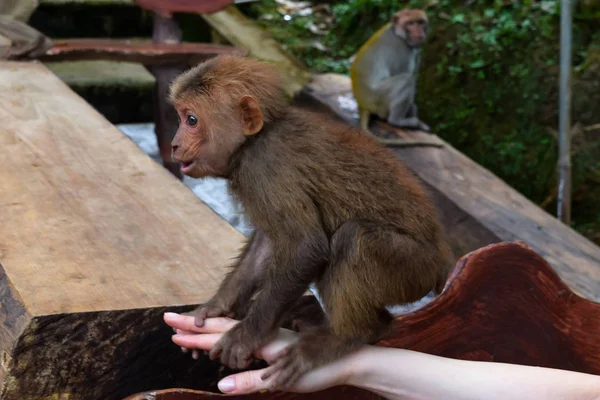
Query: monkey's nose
174, 147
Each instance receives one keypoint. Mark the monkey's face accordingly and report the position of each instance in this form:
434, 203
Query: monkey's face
412, 26
210, 133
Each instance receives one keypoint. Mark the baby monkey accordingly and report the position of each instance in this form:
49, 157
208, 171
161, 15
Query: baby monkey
330, 206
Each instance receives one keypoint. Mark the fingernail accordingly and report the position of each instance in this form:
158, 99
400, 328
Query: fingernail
226, 385
171, 314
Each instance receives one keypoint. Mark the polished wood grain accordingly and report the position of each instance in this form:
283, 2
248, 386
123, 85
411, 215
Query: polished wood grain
501, 303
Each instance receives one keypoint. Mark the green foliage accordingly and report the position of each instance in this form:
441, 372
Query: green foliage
498, 58
488, 85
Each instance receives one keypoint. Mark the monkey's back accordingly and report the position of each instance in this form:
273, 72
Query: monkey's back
347, 174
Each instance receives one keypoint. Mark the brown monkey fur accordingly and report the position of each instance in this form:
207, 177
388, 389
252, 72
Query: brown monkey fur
385, 70
330, 206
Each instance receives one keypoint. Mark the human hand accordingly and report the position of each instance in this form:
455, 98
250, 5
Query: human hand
190, 336
212, 309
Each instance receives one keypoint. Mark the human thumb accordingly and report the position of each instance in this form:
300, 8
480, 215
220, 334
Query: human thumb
242, 383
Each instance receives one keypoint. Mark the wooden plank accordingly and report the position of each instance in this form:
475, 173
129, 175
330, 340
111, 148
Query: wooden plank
477, 207
68, 180
96, 240
138, 51
502, 303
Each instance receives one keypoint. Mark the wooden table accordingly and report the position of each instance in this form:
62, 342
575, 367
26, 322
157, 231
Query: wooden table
96, 241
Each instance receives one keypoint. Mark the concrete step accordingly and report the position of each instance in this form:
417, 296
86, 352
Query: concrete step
102, 73
120, 91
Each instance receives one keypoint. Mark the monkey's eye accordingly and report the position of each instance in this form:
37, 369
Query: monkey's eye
191, 120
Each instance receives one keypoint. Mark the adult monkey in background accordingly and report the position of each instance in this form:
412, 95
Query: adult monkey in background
385, 69
329, 206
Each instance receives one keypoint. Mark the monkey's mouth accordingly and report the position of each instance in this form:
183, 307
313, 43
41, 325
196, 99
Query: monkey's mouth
186, 166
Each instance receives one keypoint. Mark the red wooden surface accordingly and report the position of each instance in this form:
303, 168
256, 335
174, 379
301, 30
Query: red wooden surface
193, 6
501, 303
139, 51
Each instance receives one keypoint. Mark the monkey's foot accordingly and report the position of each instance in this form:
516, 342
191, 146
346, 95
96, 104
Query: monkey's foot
424, 127
290, 364
314, 348
235, 348
410, 124
400, 142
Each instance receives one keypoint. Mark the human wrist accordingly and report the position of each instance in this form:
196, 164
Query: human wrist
358, 368
381, 370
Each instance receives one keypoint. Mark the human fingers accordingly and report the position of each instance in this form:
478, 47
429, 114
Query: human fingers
186, 323
184, 349
251, 381
204, 341
243, 382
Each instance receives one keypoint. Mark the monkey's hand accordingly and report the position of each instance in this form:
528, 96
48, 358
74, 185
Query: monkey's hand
235, 347
213, 308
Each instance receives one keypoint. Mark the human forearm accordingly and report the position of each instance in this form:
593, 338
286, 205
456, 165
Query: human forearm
400, 374
404, 374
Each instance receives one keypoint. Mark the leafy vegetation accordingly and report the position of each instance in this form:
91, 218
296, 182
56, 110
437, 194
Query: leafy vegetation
489, 82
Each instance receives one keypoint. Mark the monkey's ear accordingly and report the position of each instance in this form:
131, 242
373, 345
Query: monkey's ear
395, 19
252, 117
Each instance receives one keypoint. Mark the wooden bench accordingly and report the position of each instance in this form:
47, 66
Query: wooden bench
501, 303
165, 56
96, 242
